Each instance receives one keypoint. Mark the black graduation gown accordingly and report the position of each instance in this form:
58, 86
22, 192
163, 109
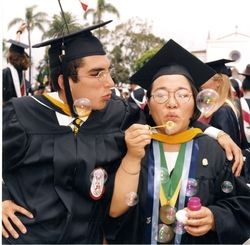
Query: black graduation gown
46, 168
245, 147
8, 84
225, 119
231, 210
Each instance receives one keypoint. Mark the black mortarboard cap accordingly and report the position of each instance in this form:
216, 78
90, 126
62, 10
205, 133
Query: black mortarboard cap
220, 66
76, 45
17, 47
71, 47
173, 59
246, 80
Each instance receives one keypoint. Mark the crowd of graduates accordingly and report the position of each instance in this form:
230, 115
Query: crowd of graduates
118, 165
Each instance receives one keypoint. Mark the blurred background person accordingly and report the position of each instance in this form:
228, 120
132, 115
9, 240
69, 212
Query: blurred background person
235, 84
225, 115
245, 107
138, 95
13, 76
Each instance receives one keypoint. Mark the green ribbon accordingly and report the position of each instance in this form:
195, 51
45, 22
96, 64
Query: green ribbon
173, 179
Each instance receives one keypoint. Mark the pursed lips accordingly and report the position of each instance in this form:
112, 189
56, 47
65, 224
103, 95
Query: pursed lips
107, 96
171, 116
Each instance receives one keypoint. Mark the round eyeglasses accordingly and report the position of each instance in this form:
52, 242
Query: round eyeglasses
181, 96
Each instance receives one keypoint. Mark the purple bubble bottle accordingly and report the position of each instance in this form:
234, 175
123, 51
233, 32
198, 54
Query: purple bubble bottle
194, 203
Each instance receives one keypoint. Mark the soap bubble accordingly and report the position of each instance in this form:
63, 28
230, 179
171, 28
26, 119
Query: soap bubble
227, 187
179, 228
131, 199
82, 107
98, 173
164, 175
192, 187
207, 100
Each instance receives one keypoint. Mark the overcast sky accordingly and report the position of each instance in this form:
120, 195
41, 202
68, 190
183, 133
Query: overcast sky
186, 21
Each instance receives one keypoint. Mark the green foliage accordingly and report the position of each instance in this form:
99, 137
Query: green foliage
145, 57
101, 8
33, 20
58, 28
129, 45
132, 39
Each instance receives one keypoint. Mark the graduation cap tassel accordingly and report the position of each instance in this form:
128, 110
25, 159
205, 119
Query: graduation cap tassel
63, 16
65, 75
67, 89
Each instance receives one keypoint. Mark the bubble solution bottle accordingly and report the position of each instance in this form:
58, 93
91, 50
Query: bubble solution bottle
194, 203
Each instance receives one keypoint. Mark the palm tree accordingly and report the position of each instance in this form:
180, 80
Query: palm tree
32, 20
58, 27
101, 9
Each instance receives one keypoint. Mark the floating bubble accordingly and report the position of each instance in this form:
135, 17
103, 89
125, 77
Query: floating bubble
207, 100
192, 187
227, 186
181, 216
164, 175
179, 228
131, 199
82, 107
98, 173
165, 233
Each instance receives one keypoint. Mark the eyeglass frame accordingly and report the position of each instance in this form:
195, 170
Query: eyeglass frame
172, 92
98, 76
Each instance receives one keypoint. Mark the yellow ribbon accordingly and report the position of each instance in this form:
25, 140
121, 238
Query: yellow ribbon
173, 199
64, 107
177, 138
59, 104
174, 139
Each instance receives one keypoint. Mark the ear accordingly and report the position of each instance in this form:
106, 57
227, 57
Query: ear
148, 104
60, 82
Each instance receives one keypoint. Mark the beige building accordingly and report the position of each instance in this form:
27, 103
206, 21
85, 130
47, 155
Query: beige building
235, 46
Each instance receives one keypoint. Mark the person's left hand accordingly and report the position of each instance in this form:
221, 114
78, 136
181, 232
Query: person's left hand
199, 222
232, 151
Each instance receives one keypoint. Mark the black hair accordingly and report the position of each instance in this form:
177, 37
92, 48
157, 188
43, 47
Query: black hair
71, 68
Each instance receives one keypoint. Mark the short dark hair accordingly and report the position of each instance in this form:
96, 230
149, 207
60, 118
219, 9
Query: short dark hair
71, 69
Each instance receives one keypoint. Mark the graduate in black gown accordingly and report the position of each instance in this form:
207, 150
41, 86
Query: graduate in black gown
245, 109
13, 76
60, 157
181, 162
226, 114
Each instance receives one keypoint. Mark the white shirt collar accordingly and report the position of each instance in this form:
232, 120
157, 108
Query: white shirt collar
63, 120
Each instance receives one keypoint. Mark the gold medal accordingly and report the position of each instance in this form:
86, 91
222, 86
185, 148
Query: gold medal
165, 233
167, 214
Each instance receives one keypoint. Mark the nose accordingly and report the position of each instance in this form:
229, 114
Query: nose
109, 82
171, 102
